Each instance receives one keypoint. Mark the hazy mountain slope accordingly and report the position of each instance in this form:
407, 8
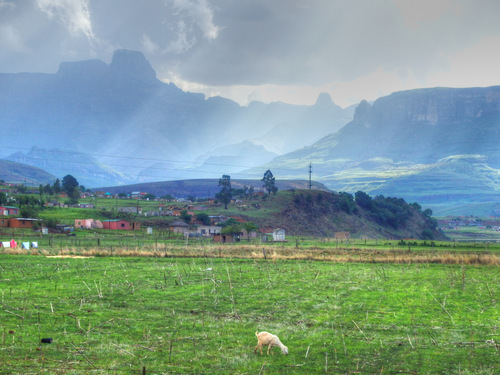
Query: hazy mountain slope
13, 172
431, 144
62, 163
126, 118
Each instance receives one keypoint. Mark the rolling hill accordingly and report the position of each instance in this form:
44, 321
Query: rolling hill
202, 187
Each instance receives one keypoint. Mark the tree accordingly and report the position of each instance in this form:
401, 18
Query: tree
427, 212
269, 181
56, 187
249, 227
203, 218
231, 226
3, 198
185, 216
47, 189
226, 193
363, 200
346, 202
68, 185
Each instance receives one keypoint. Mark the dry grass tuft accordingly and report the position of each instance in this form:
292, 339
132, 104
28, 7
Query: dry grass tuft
248, 251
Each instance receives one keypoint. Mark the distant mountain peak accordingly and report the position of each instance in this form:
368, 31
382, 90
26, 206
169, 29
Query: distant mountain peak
363, 112
324, 100
132, 64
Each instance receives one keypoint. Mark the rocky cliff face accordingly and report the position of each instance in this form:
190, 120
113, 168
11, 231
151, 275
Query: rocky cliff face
422, 126
408, 144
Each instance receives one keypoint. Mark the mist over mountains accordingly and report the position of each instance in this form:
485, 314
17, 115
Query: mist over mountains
439, 147
126, 126
117, 124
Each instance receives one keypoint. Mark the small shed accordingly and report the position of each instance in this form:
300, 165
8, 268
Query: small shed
227, 237
279, 235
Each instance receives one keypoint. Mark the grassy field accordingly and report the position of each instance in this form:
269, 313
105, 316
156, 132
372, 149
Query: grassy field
158, 315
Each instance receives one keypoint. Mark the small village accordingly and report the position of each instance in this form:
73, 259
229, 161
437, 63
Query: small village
181, 217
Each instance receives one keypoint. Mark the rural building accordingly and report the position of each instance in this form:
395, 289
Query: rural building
214, 220
342, 235
116, 224
279, 235
252, 234
88, 223
21, 223
9, 210
208, 230
179, 226
135, 225
227, 238
131, 210
86, 205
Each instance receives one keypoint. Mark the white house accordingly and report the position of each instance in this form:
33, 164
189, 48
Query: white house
279, 235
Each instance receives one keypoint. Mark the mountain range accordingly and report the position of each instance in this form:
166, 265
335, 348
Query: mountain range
118, 124
123, 125
438, 146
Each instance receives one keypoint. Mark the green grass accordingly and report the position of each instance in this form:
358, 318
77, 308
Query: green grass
119, 315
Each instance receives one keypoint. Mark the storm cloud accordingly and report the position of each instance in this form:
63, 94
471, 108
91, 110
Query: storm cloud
286, 50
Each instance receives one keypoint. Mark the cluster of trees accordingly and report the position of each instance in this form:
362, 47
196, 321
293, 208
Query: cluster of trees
385, 210
69, 186
30, 205
227, 192
232, 226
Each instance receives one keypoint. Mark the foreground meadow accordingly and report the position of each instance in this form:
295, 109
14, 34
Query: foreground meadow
158, 315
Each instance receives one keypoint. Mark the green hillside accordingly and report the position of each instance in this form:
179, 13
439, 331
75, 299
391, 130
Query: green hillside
320, 213
14, 172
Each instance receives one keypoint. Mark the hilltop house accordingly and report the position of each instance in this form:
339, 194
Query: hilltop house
9, 210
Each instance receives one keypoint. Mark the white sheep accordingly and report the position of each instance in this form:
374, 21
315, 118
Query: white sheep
266, 338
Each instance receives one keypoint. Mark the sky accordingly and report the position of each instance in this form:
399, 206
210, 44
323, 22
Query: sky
279, 50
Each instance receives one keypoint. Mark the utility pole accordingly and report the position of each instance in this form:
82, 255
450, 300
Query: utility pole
310, 172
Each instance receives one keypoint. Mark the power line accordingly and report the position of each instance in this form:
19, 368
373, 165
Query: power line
142, 167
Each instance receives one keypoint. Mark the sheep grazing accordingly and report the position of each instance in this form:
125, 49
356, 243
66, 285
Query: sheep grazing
269, 340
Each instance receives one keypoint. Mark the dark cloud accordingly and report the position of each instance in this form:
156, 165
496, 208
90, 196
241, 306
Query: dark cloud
249, 42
